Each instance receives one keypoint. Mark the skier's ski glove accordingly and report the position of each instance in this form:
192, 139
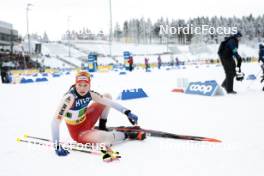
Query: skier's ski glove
60, 151
131, 117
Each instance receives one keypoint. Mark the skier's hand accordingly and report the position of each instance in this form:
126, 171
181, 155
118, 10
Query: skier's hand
131, 117
60, 151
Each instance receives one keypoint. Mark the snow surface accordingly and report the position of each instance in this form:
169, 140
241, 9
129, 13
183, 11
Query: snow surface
53, 62
236, 120
140, 51
183, 52
60, 50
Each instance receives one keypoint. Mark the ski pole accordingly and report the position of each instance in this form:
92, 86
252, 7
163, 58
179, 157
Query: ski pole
49, 145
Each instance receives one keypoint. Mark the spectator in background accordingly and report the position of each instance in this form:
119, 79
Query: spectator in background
130, 62
146, 64
177, 62
172, 61
4, 74
159, 62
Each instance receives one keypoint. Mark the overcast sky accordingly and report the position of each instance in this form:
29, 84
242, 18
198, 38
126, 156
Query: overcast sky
51, 15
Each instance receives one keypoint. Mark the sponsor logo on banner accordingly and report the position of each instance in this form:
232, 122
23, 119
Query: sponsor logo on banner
207, 88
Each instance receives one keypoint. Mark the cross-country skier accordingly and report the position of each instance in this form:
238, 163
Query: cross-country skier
146, 60
159, 62
130, 63
227, 50
80, 115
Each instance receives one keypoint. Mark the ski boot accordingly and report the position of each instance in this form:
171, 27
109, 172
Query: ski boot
135, 135
232, 92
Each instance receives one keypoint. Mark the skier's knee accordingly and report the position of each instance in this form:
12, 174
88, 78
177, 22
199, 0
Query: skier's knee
107, 95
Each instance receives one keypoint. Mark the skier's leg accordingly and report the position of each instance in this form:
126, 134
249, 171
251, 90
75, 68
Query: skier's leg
230, 74
99, 136
98, 111
224, 83
225, 67
104, 115
229, 83
109, 137
262, 67
95, 112
106, 110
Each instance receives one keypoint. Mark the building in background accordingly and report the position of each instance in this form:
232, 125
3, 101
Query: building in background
8, 36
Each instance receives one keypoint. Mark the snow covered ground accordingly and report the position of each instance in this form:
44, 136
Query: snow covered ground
53, 62
62, 51
140, 52
183, 52
235, 119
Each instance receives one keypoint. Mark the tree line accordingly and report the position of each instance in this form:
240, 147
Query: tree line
145, 31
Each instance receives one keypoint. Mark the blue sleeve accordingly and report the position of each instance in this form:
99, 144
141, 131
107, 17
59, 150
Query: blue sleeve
232, 46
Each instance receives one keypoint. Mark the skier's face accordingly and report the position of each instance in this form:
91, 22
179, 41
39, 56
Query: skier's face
82, 88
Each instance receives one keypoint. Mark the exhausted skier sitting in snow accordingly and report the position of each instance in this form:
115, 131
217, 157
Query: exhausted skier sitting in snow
81, 115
